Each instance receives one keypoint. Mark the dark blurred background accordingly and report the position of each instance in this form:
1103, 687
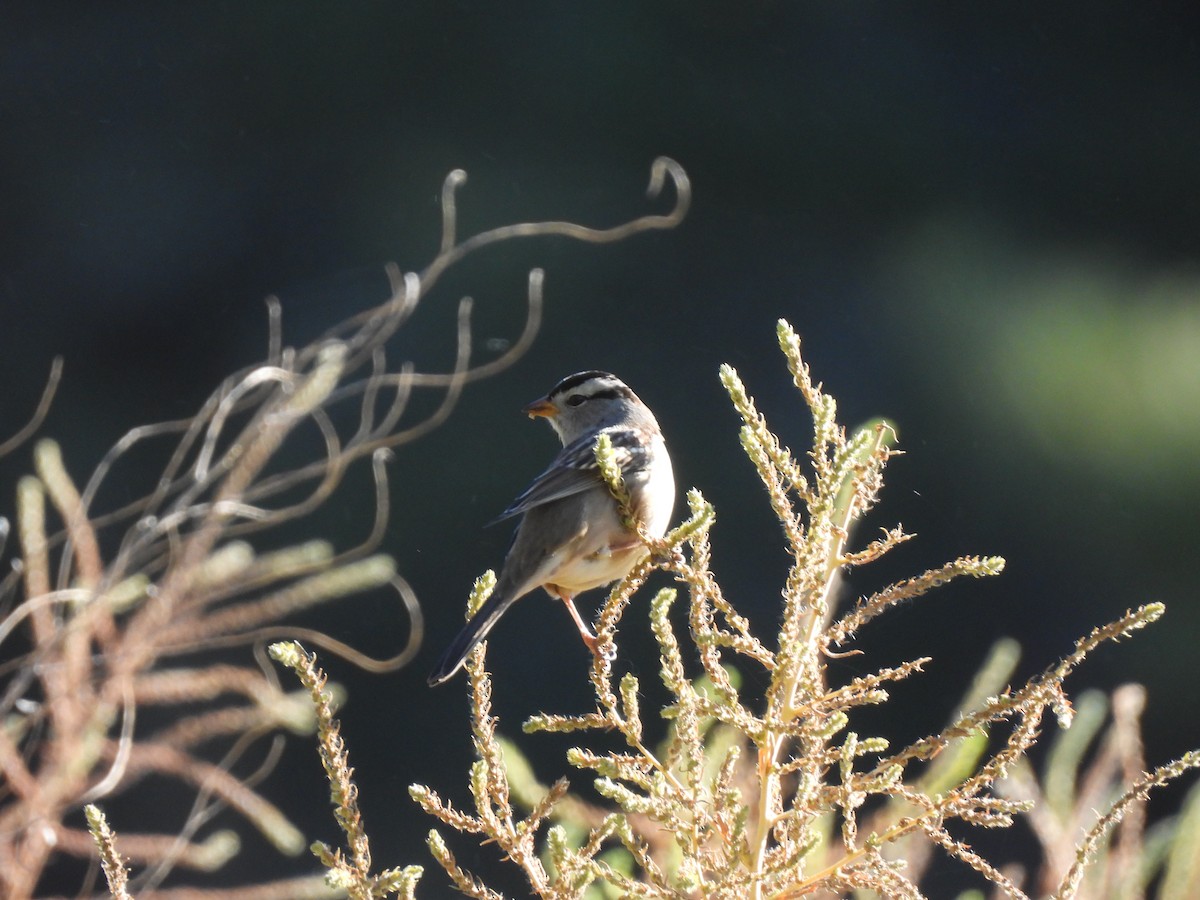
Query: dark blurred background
982, 219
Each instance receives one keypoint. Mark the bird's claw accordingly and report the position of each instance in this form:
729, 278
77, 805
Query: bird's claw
606, 650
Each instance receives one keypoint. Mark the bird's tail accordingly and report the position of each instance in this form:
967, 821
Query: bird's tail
473, 632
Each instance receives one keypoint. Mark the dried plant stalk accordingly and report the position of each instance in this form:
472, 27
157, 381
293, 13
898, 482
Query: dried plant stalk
104, 600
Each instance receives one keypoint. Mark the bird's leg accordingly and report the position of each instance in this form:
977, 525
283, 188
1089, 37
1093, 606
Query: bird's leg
585, 632
589, 638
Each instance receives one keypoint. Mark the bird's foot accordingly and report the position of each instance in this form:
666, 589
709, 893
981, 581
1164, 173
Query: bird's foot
607, 652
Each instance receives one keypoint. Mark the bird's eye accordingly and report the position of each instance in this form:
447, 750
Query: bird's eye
575, 399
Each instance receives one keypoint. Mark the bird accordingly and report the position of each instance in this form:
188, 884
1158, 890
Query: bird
571, 537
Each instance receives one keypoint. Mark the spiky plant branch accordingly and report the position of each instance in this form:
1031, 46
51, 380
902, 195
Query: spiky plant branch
110, 859
775, 795
347, 871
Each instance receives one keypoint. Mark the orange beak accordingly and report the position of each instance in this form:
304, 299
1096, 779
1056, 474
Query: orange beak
540, 408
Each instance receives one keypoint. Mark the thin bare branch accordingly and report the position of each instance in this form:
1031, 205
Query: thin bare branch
31, 427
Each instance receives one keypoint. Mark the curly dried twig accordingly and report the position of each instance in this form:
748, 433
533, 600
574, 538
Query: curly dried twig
39, 414
184, 577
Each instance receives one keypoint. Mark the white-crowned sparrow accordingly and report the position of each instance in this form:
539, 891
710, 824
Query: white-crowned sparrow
571, 538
